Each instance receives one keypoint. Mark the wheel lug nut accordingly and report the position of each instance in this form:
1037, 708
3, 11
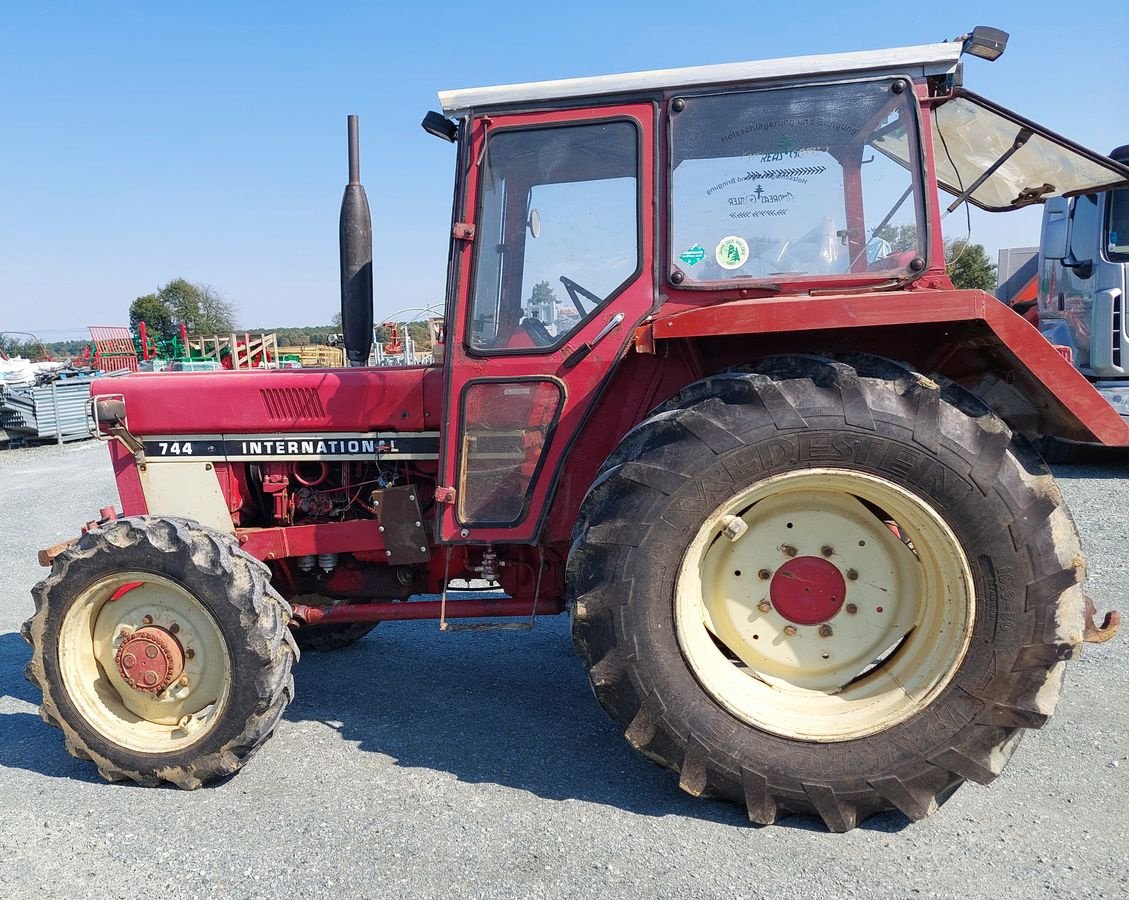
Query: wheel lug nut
148, 620
825, 631
183, 681
852, 575
790, 630
764, 574
788, 550
174, 628
827, 550
764, 606
852, 609
190, 653
125, 631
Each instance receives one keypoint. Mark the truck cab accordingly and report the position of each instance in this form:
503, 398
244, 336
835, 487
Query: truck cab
1083, 279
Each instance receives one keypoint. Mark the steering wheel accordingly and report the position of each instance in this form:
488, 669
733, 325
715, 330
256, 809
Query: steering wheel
575, 292
537, 331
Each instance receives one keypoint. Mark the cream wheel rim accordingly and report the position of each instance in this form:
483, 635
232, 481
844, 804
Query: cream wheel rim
93, 630
824, 605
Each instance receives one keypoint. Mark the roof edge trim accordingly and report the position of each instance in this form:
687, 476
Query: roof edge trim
927, 59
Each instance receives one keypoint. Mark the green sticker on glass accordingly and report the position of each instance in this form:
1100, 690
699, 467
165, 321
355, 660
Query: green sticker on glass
693, 256
732, 252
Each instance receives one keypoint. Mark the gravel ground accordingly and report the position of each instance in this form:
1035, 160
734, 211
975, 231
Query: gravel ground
418, 764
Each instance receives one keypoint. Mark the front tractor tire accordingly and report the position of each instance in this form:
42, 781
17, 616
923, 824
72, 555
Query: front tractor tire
162, 652
826, 588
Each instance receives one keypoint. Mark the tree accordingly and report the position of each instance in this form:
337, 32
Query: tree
201, 308
216, 313
420, 333
543, 295
151, 310
900, 237
969, 266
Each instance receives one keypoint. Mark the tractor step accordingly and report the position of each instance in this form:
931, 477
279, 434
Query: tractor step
485, 626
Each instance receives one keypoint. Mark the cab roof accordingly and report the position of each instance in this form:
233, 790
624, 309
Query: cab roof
920, 61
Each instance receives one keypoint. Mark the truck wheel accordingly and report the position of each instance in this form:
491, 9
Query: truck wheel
162, 652
825, 588
323, 638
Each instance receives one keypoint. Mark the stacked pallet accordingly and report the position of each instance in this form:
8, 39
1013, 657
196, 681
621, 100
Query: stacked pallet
315, 355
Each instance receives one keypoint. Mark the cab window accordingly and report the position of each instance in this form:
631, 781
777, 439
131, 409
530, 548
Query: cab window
557, 232
1117, 226
794, 182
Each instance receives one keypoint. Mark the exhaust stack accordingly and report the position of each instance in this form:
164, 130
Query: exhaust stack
356, 260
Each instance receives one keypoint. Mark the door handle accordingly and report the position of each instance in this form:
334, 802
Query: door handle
584, 349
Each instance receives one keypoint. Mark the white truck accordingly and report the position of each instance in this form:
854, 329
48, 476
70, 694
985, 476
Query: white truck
1082, 274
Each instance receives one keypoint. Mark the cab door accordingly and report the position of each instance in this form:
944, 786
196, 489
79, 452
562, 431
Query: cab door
552, 274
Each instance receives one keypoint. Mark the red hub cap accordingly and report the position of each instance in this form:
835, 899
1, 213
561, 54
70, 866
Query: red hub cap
150, 659
807, 590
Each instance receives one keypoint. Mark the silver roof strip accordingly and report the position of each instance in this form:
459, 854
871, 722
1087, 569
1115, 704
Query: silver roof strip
927, 59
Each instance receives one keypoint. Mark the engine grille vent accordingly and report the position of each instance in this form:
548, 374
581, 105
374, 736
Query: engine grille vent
292, 404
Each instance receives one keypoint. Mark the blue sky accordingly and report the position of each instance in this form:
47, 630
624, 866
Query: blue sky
143, 142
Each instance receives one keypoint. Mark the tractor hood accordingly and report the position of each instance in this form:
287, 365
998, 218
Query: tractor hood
394, 398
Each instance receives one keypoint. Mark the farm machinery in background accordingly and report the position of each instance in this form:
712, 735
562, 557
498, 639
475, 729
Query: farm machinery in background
779, 476
114, 348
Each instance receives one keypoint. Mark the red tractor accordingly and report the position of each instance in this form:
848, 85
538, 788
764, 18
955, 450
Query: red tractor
706, 388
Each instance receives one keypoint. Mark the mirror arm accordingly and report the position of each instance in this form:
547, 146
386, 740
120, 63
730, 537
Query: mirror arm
1084, 267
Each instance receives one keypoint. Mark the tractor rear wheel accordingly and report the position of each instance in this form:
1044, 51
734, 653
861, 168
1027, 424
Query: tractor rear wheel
161, 650
826, 587
1067, 453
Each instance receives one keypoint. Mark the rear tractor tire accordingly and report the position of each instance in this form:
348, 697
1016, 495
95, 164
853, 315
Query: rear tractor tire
1067, 453
826, 587
162, 652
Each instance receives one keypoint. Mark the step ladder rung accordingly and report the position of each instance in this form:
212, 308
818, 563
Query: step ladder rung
486, 626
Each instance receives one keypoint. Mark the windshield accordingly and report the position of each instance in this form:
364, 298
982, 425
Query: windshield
786, 183
1117, 226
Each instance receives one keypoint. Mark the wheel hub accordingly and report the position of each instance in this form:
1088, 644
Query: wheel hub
754, 605
150, 659
807, 590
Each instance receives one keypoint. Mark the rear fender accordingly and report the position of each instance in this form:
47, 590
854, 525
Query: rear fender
968, 336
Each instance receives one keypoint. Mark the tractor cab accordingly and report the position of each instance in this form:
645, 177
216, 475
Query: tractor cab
591, 210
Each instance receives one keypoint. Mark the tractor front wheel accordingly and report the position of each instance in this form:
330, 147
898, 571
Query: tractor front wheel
161, 650
826, 588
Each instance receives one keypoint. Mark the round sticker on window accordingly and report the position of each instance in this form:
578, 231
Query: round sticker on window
732, 252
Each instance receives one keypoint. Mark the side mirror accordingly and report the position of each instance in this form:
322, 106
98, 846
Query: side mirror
1083, 268
1053, 241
